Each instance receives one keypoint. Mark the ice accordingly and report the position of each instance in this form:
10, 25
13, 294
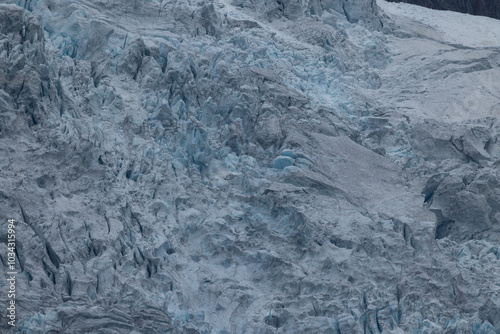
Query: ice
242, 167
282, 161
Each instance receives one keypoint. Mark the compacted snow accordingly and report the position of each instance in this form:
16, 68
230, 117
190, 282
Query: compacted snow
456, 28
444, 65
322, 166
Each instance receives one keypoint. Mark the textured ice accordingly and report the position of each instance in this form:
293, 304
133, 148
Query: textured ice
323, 166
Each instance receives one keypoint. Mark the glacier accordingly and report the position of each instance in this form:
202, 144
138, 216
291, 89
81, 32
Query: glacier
229, 166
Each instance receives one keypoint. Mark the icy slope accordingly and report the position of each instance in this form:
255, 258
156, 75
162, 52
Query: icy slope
489, 8
248, 167
455, 28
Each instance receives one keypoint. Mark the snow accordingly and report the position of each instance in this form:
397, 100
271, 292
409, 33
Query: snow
443, 65
456, 28
256, 171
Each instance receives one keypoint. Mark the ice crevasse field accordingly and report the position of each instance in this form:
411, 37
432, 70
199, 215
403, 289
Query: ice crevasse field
322, 166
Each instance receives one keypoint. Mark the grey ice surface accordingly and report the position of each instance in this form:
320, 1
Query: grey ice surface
241, 166
489, 8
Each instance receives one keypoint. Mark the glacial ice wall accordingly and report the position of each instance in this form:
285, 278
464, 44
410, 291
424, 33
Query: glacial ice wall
244, 167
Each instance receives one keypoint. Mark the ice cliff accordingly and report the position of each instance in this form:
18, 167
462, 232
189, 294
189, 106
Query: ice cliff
322, 166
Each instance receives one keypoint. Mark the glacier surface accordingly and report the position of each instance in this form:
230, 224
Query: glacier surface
226, 166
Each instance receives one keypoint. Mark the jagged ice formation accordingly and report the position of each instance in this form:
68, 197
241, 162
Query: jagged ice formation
249, 167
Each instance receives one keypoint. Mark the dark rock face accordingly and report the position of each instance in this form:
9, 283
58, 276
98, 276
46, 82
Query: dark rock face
489, 8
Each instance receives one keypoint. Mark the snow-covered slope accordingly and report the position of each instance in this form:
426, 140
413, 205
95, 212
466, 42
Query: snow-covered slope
490, 8
323, 166
444, 64
455, 28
